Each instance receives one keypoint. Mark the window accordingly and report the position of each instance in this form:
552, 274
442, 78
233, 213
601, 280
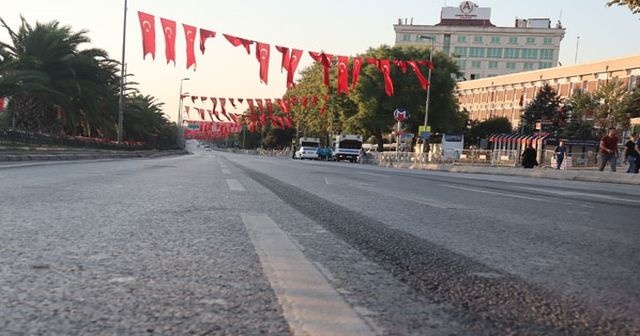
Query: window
477, 39
544, 65
493, 64
495, 39
531, 40
511, 65
494, 52
527, 66
513, 40
548, 40
476, 64
546, 53
511, 53
460, 51
462, 39
406, 37
476, 52
462, 64
530, 53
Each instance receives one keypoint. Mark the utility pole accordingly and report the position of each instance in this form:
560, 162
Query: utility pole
122, 74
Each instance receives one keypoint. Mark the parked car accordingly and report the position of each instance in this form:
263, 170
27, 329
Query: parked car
306, 153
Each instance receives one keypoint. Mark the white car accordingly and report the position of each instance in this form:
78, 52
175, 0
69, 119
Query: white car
306, 153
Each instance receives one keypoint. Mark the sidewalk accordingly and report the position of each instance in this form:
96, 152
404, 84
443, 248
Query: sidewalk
589, 175
11, 154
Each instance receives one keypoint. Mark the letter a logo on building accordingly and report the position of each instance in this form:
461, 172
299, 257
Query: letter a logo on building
467, 7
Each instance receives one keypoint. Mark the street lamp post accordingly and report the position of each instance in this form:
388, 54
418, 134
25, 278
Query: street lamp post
122, 75
426, 105
179, 135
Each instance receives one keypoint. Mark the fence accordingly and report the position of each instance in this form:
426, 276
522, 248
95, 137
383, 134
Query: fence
571, 160
16, 137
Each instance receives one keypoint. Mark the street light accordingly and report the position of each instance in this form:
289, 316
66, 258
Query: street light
179, 135
122, 75
426, 105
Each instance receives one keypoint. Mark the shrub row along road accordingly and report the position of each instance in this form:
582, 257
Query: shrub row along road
216, 243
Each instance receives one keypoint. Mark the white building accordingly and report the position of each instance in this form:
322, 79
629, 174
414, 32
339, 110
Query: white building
482, 49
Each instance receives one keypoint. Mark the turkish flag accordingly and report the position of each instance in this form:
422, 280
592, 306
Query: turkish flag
203, 98
240, 100
251, 106
305, 101
427, 63
285, 58
169, 29
423, 81
190, 38
385, 67
260, 105
233, 103
193, 99
294, 60
269, 106
357, 65
148, 26
325, 60
343, 75
236, 41
223, 102
262, 54
402, 65
186, 110
204, 35
283, 105
215, 103
201, 112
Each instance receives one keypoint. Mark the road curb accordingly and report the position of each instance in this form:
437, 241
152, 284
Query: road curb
575, 175
87, 156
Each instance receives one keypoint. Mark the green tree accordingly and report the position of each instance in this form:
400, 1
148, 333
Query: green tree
145, 121
482, 130
543, 108
634, 5
611, 110
55, 86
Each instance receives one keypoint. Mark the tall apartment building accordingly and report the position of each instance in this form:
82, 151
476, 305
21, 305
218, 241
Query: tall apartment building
480, 48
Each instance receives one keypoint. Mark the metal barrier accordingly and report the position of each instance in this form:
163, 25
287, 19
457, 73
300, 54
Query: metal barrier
571, 160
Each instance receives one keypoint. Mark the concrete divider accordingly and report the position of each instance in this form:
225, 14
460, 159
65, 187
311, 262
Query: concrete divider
74, 154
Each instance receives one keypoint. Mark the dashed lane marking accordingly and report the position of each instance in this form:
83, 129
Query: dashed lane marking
235, 185
310, 304
495, 193
226, 172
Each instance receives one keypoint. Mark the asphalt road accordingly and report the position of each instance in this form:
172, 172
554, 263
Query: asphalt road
223, 244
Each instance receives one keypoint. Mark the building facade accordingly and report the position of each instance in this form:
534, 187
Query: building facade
482, 49
505, 96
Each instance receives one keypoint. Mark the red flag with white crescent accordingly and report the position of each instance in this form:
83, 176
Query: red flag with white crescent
251, 106
294, 60
262, 54
284, 65
343, 75
269, 105
223, 102
169, 29
190, 38
325, 60
204, 35
357, 65
215, 103
385, 67
236, 41
148, 27
423, 81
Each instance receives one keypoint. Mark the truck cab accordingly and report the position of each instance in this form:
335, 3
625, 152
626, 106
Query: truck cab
347, 147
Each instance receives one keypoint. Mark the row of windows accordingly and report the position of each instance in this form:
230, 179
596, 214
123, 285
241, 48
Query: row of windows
509, 39
480, 39
480, 52
462, 64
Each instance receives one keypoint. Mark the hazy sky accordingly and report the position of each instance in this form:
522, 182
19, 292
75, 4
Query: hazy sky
343, 27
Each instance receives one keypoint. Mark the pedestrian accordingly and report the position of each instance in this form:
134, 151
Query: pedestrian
609, 150
560, 152
362, 156
293, 152
631, 154
529, 157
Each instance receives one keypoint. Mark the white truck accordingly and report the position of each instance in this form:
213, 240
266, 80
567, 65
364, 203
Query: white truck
347, 147
307, 149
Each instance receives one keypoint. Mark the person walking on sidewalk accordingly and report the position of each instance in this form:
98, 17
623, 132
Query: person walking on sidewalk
529, 157
609, 150
560, 152
631, 153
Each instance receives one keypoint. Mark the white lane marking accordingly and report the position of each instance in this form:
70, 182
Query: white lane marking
310, 304
372, 174
574, 193
235, 185
226, 172
326, 181
428, 202
496, 193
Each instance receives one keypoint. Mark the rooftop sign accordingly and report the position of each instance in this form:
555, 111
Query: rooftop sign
467, 10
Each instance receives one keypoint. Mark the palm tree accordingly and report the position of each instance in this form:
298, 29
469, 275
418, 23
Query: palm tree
145, 120
54, 86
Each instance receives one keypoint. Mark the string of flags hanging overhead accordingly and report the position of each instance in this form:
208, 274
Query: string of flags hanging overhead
290, 56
